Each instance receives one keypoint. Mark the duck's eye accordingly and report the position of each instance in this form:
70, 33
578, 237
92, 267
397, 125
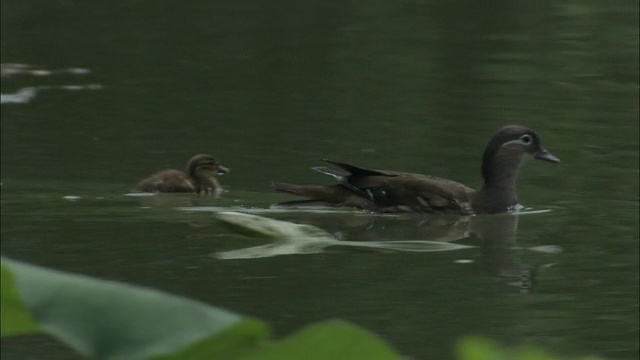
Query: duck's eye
526, 139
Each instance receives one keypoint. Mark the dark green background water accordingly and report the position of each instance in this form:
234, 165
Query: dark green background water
271, 87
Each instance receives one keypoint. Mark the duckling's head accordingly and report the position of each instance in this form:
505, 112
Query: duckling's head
508, 149
205, 166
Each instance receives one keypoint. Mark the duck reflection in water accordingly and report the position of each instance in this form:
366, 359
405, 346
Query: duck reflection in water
495, 235
501, 257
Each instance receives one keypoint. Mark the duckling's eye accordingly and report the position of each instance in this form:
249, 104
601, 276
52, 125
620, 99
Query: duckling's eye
526, 139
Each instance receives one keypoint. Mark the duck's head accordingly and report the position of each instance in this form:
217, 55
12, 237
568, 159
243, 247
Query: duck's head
508, 149
206, 166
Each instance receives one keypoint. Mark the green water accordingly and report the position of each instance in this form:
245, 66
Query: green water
272, 87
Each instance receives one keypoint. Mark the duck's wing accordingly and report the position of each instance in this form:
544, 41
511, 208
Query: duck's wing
353, 176
408, 192
343, 178
345, 193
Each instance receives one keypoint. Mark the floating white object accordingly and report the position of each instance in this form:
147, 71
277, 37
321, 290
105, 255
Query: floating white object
23, 96
289, 238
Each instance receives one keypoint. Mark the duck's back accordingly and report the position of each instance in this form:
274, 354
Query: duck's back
383, 191
167, 181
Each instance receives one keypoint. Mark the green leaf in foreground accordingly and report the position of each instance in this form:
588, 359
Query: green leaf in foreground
16, 319
334, 339
105, 319
479, 348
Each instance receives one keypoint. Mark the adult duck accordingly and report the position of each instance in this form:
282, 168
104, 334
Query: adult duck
390, 191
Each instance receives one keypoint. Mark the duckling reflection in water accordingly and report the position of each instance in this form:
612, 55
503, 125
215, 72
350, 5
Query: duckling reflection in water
200, 177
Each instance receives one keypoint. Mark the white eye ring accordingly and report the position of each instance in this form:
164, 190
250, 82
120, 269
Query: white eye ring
526, 139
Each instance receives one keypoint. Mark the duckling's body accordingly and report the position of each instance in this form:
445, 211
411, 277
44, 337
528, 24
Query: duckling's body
389, 191
200, 177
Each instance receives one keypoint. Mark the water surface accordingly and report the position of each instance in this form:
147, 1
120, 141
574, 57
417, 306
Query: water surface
271, 88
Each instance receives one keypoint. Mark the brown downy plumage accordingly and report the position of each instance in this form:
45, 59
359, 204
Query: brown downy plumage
199, 178
389, 191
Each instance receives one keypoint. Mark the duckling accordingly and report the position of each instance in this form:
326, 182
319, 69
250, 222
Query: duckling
396, 192
199, 178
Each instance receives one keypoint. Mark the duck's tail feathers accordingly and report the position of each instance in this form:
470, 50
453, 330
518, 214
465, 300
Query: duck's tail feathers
341, 177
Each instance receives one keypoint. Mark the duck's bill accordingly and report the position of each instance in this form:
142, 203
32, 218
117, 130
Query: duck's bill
223, 170
546, 156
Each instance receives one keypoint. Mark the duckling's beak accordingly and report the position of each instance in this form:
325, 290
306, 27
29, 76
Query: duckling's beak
223, 170
546, 156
